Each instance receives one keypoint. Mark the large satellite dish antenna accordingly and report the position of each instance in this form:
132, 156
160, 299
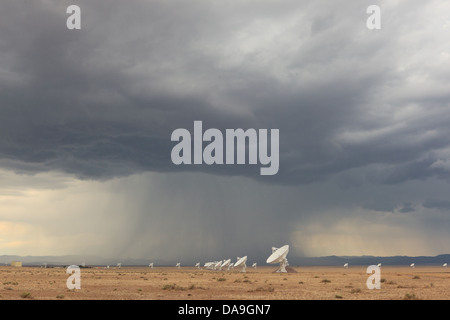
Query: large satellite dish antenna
445, 265
218, 265
379, 265
197, 265
346, 265
241, 263
230, 266
412, 265
119, 265
226, 263
151, 265
178, 265
279, 256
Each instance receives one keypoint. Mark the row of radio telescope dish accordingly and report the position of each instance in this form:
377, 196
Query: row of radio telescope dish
218, 265
241, 262
412, 265
278, 256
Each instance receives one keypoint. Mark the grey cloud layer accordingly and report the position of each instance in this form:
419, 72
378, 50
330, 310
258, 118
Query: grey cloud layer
102, 102
363, 118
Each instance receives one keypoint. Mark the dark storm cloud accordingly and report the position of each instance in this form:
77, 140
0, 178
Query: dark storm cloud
380, 206
437, 204
102, 101
389, 205
406, 207
363, 118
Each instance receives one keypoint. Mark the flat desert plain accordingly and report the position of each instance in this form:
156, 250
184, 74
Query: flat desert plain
261, 283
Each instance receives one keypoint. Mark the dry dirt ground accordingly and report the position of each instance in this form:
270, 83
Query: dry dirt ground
170, 283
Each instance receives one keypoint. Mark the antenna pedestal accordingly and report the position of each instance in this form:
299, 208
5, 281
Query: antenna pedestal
283, 265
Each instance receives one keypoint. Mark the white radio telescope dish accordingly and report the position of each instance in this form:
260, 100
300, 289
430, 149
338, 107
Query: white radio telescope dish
178, 265
226, 263
346, 265
412, 265
241, 263
279, 256
254, 265
445, 265
379, 265
151, 265
218, 265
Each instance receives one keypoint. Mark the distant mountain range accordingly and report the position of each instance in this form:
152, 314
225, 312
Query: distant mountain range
55, 260
293, 261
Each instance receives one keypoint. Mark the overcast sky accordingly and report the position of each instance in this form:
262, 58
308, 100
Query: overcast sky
86, 118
